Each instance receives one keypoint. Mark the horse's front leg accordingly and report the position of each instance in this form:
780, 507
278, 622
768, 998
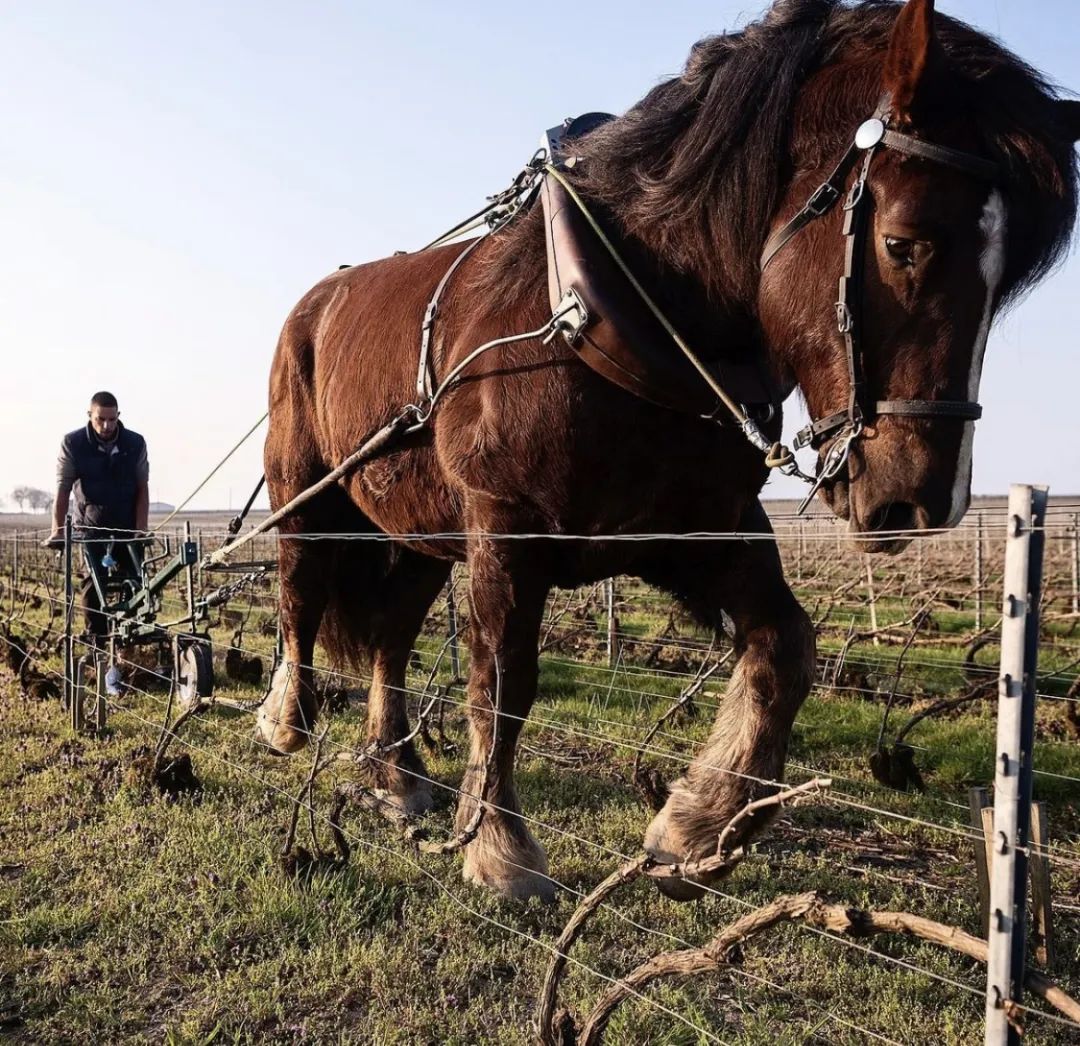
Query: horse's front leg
775, 645
507, 597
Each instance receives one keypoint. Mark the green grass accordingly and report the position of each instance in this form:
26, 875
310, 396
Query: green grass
125, 916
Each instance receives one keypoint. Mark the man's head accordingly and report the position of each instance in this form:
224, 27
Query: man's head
104, 415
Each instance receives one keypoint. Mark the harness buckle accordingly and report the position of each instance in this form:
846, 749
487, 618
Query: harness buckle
803, 438
823, 199
569, 318
845, 322
836, 459
856, 194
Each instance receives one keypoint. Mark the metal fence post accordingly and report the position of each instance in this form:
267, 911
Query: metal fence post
612, 637
190, 576
1007, 938
69, 616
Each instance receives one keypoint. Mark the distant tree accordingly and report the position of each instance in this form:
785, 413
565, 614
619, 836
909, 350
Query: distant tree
20, 495
40, 500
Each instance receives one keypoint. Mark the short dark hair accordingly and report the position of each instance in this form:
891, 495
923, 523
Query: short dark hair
103, 399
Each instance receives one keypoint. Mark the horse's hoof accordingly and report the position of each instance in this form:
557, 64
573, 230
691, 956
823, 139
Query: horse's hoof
399, 807
516, 878
664, 849
277, 736
517, 887
681, 890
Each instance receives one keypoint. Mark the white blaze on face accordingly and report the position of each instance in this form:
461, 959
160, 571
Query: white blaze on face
993, 226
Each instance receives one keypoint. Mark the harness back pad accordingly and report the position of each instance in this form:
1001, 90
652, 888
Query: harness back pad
622, 340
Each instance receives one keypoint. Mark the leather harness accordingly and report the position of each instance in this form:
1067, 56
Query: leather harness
626, 338
623, 340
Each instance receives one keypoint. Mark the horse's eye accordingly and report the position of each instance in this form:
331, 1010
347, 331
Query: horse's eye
900, 251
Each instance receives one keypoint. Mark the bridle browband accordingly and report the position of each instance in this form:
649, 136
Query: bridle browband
847, 424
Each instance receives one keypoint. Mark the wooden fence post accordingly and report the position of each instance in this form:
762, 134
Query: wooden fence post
979, 806
69, 616
1042, 911
982, 820
101, 704
78, 694
977, 579
452, 627
872, 597
1076, 563
14, 571
1007, 939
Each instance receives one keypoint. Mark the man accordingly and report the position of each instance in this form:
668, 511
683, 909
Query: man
106, 467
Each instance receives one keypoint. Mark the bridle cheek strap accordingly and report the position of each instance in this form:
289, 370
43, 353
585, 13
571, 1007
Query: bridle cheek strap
872, 135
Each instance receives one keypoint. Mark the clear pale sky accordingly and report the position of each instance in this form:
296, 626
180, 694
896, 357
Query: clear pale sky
174, 176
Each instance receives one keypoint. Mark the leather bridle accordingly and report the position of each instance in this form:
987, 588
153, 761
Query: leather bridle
845, 426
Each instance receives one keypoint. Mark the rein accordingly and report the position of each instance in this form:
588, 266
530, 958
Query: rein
571, 316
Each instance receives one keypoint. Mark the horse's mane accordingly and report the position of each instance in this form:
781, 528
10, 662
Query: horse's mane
695, 171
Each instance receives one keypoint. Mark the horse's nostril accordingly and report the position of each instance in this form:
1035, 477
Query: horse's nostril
897, 517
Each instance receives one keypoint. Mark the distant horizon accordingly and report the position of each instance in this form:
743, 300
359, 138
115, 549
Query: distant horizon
818, 508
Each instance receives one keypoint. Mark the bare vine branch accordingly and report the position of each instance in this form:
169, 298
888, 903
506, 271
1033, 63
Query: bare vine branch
810, 910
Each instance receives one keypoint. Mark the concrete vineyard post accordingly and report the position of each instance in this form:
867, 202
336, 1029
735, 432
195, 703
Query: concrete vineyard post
1007, 939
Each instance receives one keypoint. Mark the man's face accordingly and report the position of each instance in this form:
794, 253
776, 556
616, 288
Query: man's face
104, 420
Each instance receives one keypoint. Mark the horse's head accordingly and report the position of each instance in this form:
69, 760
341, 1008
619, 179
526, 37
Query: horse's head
941, 238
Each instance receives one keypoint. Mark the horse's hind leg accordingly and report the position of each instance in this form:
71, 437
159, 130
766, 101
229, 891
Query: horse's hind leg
403, 598
287, 714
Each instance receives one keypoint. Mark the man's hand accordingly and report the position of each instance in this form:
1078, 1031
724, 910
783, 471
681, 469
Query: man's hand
54, 541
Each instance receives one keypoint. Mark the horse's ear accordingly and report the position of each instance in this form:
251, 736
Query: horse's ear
913, 55
1068, 114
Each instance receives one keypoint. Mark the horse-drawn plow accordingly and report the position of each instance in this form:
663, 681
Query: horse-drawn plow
875, 875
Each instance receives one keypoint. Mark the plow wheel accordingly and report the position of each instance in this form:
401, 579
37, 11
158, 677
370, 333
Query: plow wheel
194, 672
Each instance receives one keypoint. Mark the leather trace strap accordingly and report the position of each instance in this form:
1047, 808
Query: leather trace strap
846, 425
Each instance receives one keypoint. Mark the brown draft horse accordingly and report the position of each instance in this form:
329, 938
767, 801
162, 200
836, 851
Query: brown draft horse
690, 182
